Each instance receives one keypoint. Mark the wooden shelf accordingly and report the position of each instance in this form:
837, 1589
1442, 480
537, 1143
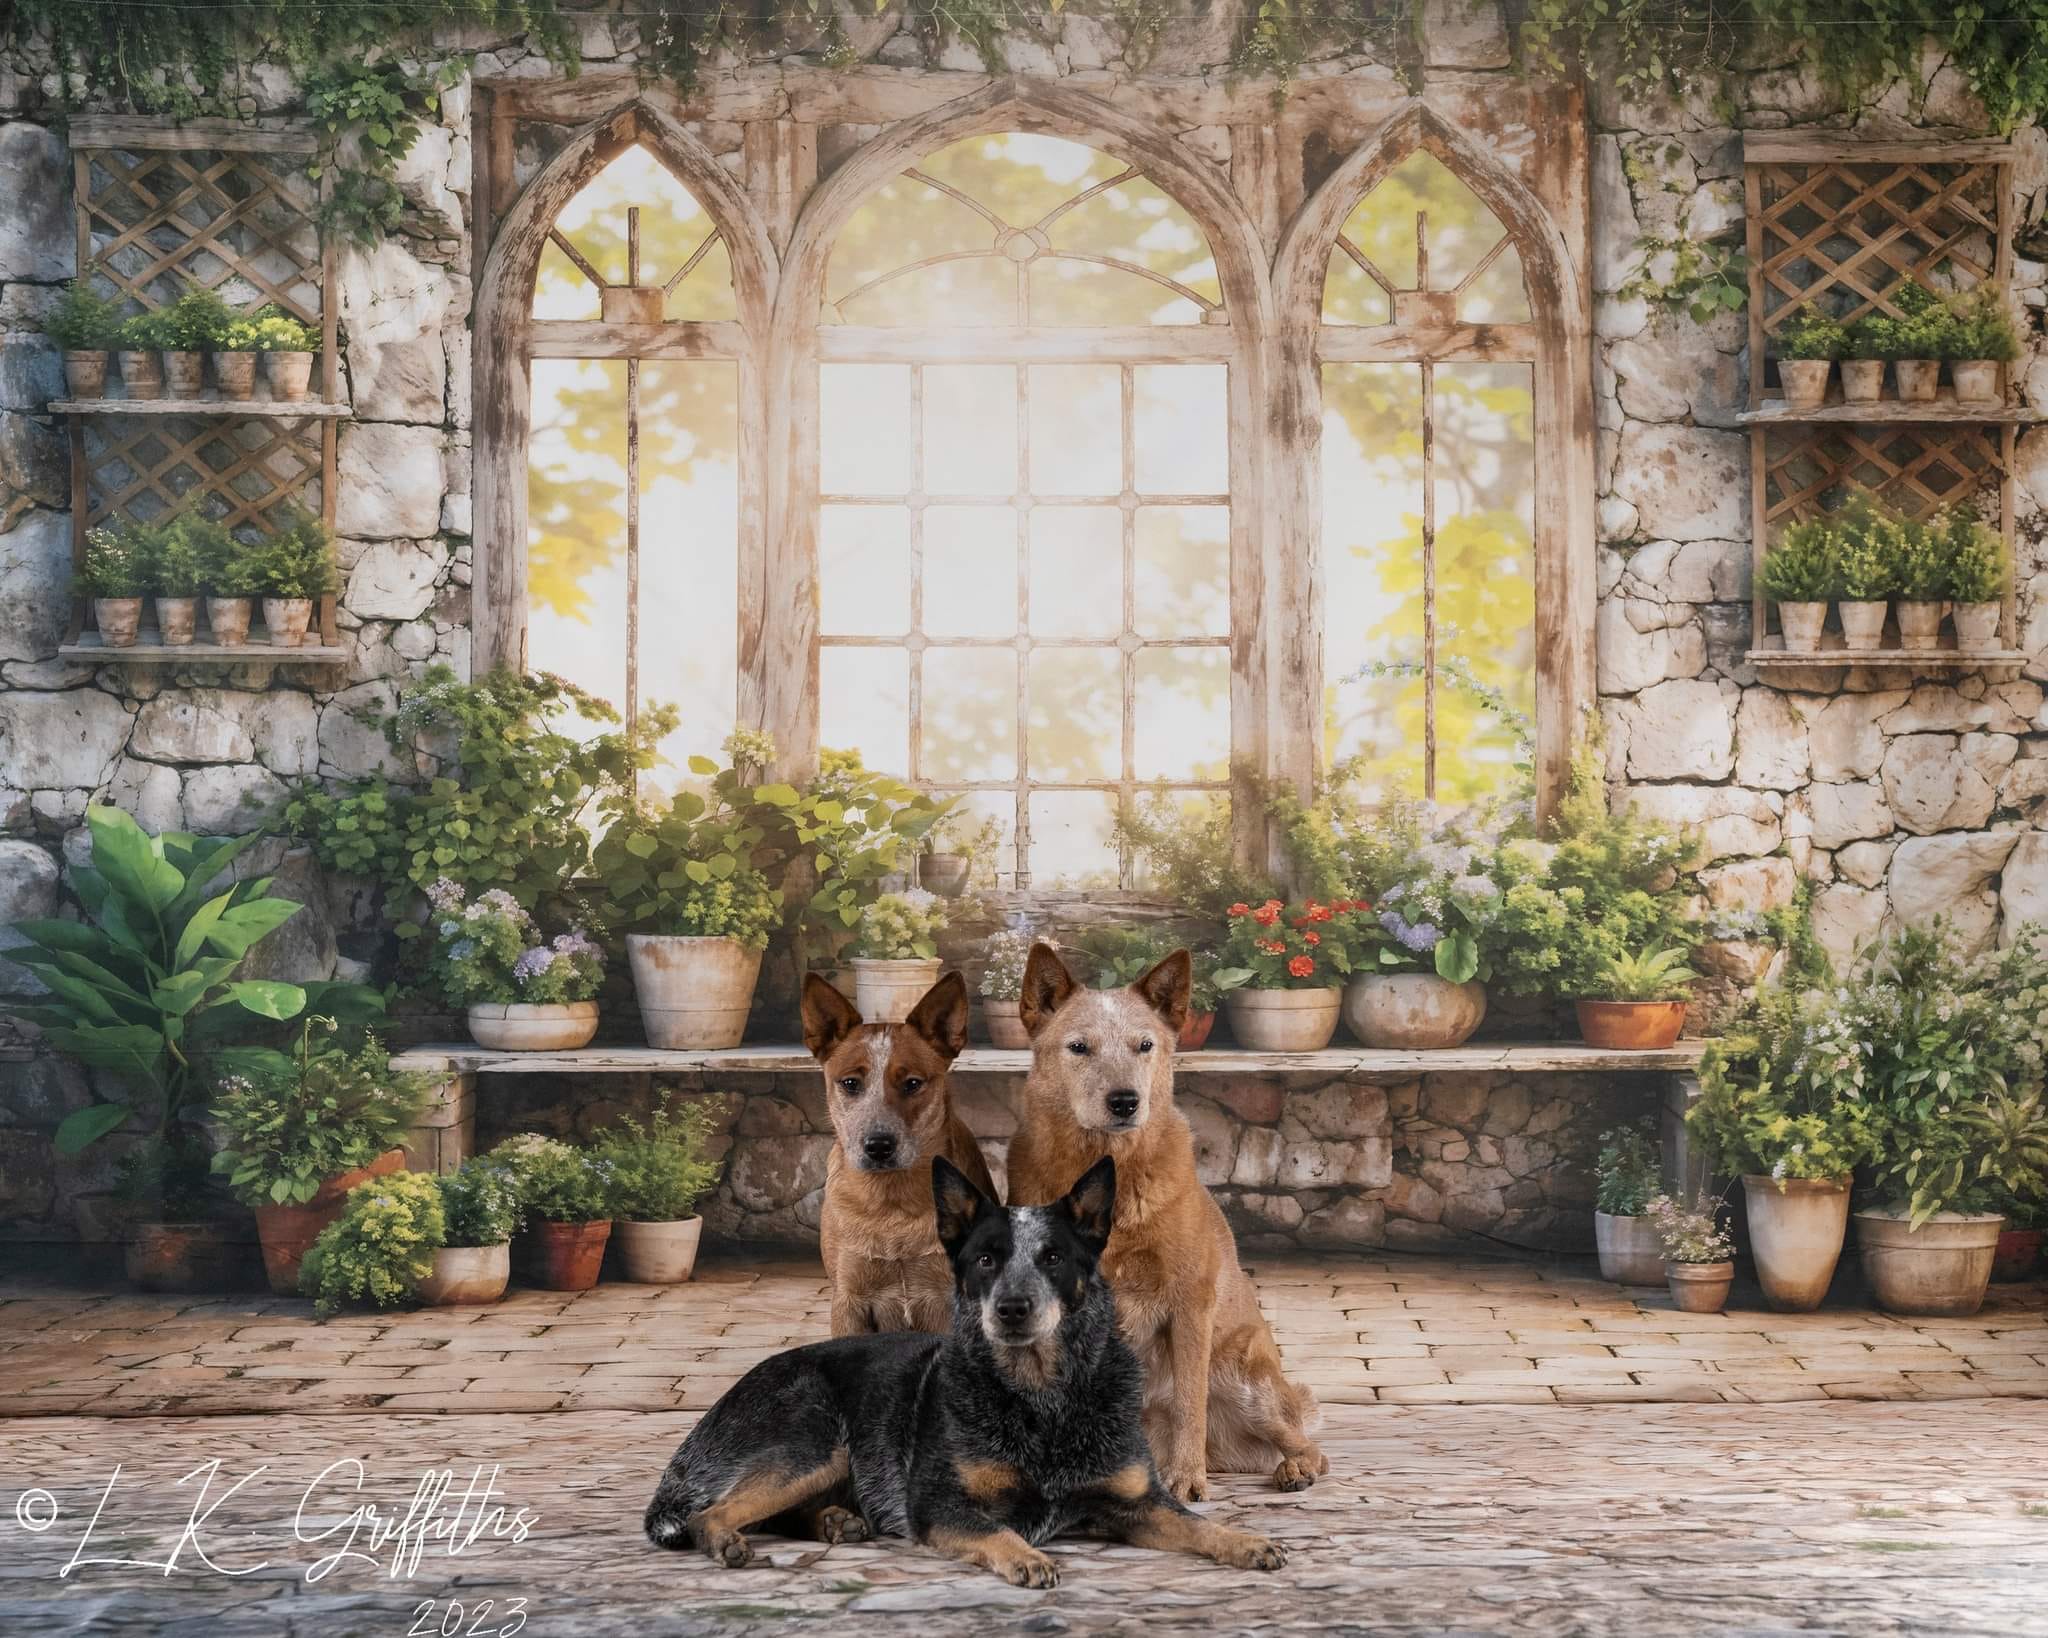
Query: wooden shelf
1891, 659
148, 648
1889, 411
206, 404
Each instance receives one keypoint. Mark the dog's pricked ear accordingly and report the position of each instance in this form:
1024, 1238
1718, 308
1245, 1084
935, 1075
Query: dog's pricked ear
959, 1204
1091, 1203
1166, 987
1047, 984
940, 1015
828, 1017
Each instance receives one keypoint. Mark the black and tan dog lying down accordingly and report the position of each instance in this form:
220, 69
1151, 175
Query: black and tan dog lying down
1024, 1423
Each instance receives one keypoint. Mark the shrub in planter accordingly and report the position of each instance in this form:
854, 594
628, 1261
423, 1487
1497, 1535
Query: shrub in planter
566, 1205
1981, 338
1799, 575
198, 320
381, 1246
958, 852
895, 955
290, 568
86, 326
1865, 570
1918, 552
120, 562
1120, 956
1918, 340
178, 574
175, 1241
523, 992
1807, 345
141, 342
1628, 1173
1282, 975
1639, 1002
1979, 572
1699, 1255
659, 1171
287, 347
480, 1207
231, 578
1002, 987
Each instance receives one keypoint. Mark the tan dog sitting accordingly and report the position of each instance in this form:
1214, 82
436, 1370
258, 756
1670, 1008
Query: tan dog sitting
885, 1087
1102, 1084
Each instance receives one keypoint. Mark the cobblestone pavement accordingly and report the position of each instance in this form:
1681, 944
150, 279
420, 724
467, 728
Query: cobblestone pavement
1636, 1521
1362, 1329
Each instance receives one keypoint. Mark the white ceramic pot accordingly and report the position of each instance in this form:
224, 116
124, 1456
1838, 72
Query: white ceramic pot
1976, 380
1699, 1288
944, 874
1919, 379
1629, 1250
1005, 1024
1940, 1268
657, 1253
1862, 380
1800, 623
885, 991
1805, 380
1283, 1020
1863, 622
523, 1026
1976, 626
1796, 1230
1412, 1011
467, 1275
1919, 623
694, 993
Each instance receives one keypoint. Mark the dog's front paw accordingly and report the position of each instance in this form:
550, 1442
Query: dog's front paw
1298, 1472
838, 1524
1249, 1552
1187, 1482
1029, 1568
730, 1548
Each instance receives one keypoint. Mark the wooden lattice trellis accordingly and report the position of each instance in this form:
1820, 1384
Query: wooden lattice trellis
1841, 224
230, 208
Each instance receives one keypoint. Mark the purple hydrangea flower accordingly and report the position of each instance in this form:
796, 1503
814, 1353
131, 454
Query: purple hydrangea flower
533, 963
1419, 938
462, 951
573, 943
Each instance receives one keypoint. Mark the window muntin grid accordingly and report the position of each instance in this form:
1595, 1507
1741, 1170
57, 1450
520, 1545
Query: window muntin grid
1422, 248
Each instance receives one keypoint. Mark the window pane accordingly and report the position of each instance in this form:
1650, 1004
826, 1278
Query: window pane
576, 525
1182, 571
864, 705
1351, 295
864, 429
976, 809
560, 291
1070, 839
970, 429
1196, 804
863, 571
1133, 223
1499, 295
1459, 228
1183, 713
1076, 429
970, 571
1077, 571
970, 714
1181, 425
673, 227
1077, 714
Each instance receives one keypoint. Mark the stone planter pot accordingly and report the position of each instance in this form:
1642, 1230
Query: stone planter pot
178, 1257
465, 1276
1919, 379
1976, 380
1194, 1034
1629, 1251
286, 620
227, 620
567, 1256
1412, 1011
521, 1026
1940, 1268
694, 993
1631, 1026
184, 373
288, 374
236, 373
1863, 622
1862, 380
288, 1232
1796, 1230
119, 619
177, 620
885, 991
1805, 381
1699, 1288
658, 1253
1005, 1024
1283, 1020
944, 873
2018, 1251
142, 374
1800, 624
85, 372
1919, 623
1976, 626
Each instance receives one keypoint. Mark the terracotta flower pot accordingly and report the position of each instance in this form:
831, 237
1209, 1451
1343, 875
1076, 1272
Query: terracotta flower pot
885, 991
184, 373
288, 1232
1919, 623
1976, 380
518, 1026
2018, 1251
1863, 622
179, 1257
467, 1275
1976, 626
177, 619
1699, 1288
1919, 379
1629, 1250
286, 620
944, 874
119, 619
1796, 1230
1631, 1026
1940, 1268
658, 1253
1194, 1034
1412, 1011
1283, 1020
85, 372
236, 373
288, 374
567, 1256
1862, 380
1800, 624
694, 992
227, 620
142, 374
1005, 1024
1805, 380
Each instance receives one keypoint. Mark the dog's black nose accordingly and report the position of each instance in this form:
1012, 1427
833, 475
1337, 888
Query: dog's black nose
1122, 1104
1013, 1310
879, 1146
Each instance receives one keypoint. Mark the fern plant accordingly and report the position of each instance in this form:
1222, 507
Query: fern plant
1657, 974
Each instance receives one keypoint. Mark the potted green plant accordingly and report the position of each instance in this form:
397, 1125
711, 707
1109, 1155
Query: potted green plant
233, 576
85, 325
565, 1201
287, 347
1808, 344
1002, 988
292, 567
1119, 956
380, 1247
198, 320
1918, 553
175, 1240
1869, 343
956, 852
1699, 1255
659, 1171
303, 1127
1422, 951
234, 359
1983, 338
1920, 338
1979, 573
117, 571
523, 992
1628, 1174
895, 957
1639, 1005
1283, 975
1865, 572
479, 1210
141, 342
1798, 575
184, 547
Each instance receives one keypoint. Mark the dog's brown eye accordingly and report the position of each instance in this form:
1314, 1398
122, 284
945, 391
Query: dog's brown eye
911, 1083
1049, 1257
985, 1261
1078, 1048
1145, 1045
850, 1085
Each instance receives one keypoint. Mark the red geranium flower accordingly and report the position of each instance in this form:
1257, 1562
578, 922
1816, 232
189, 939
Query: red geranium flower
1266, 915
1318, 912
1273, 946
1240, 910
1301, 966
1312, 938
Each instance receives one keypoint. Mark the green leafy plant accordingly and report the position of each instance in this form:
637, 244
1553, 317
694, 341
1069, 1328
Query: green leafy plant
1864, 549
1781, 1093
370, 113
120, 560
1702, 278
479, 1204
659, 1169
1918, 554
1003, 958
490, 950
145, 986
199, 318
271, 330
381, 1246
959, 836
83, 320
1186, 853
1800, 568
295, 559
1810, 333
556, 1181
164, 1179
297, 1118
227, 567
1982, 326
186, 548
1629, 1169
1921, 329
901, 927
1653, 974
1979, 561
151, 331
1690, 1234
